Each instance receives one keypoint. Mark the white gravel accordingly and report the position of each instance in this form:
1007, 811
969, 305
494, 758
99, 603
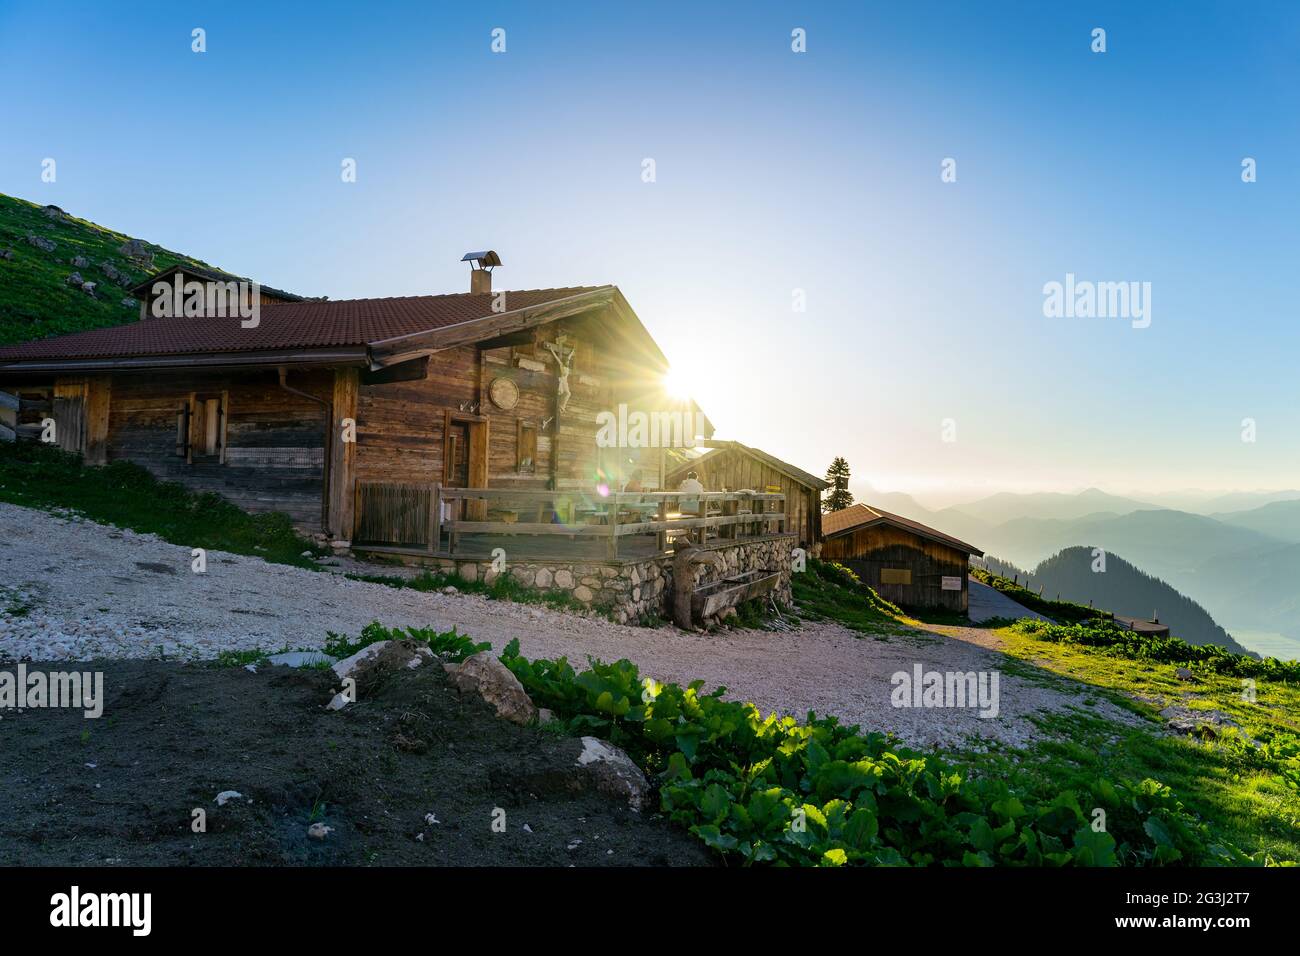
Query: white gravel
74, 590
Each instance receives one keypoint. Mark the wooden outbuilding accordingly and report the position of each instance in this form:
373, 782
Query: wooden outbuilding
908, 563
731, 466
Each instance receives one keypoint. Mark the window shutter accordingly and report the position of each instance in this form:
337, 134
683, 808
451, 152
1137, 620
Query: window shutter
183, 431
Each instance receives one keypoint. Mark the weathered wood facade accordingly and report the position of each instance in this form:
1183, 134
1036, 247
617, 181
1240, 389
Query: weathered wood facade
239, 434
464, 396
906, 562
732, 466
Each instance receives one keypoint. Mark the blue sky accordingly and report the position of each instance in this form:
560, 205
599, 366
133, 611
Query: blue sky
775, 171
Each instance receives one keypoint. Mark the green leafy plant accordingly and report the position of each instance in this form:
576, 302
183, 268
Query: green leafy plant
776, 790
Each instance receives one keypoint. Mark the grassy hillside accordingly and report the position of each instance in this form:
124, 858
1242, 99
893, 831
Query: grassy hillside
35, 475
1239, 772
36, 300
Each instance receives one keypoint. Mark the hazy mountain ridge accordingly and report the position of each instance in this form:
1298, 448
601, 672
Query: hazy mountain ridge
1122, 589
1277, 519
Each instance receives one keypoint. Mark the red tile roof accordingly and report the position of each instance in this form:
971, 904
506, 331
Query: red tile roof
855, 516
291, 325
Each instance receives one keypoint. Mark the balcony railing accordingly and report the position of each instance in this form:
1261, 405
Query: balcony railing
473, 522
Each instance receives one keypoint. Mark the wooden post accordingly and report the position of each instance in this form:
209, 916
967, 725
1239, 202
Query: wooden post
343, 455
613, 526
435, 516
97, 405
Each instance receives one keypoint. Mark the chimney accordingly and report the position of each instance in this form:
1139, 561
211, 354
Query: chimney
480, 270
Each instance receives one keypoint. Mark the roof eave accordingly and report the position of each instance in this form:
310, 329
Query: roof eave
346, 355
953, 543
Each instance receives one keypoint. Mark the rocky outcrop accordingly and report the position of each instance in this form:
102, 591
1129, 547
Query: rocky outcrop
382, 653
372, 664
487, 677
610, 771
1199, 723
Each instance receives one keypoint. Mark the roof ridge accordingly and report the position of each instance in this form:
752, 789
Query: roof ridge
444, 295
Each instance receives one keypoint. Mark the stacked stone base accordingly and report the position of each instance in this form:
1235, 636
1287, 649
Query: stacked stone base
631, 591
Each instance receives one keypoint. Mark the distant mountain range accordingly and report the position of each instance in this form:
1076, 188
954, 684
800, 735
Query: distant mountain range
1240, 559
1122, 589
1278, 519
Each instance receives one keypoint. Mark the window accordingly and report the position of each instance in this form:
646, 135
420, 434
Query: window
201, 428
895, 576
526, 452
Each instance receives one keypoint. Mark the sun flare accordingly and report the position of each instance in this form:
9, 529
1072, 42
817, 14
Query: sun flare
677, 383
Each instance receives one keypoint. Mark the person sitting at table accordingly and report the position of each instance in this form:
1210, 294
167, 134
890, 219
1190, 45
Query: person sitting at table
690, 485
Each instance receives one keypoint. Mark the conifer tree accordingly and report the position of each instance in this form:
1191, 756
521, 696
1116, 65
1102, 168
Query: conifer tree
839, 496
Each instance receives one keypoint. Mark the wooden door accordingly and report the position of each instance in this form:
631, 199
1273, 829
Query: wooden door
457, 466
465, 459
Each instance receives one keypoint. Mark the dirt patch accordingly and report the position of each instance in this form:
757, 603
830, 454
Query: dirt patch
122, 789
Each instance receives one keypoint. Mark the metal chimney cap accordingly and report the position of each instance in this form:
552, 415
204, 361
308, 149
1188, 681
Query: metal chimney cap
484, 260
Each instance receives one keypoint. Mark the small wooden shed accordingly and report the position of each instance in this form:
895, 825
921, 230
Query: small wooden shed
907, 562
731, 466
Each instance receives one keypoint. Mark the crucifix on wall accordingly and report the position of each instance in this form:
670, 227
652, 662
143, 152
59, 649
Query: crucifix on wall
564, 360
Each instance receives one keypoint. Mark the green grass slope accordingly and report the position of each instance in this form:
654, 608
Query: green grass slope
35, 298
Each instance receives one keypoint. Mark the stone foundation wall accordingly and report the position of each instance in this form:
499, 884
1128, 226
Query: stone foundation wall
630, 590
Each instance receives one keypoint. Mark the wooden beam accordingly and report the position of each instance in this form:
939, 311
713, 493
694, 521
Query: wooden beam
406, 347
343, 455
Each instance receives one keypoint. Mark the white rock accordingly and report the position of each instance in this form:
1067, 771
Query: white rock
338, 702
319, 831
225, 795
300, 658
613, 772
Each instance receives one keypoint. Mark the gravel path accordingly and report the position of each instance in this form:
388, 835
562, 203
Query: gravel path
74, 590
988, 603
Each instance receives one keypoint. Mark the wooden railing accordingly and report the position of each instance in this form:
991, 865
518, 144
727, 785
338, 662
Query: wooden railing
454, 522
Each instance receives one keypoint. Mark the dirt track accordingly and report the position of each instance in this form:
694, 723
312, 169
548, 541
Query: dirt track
88, 592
